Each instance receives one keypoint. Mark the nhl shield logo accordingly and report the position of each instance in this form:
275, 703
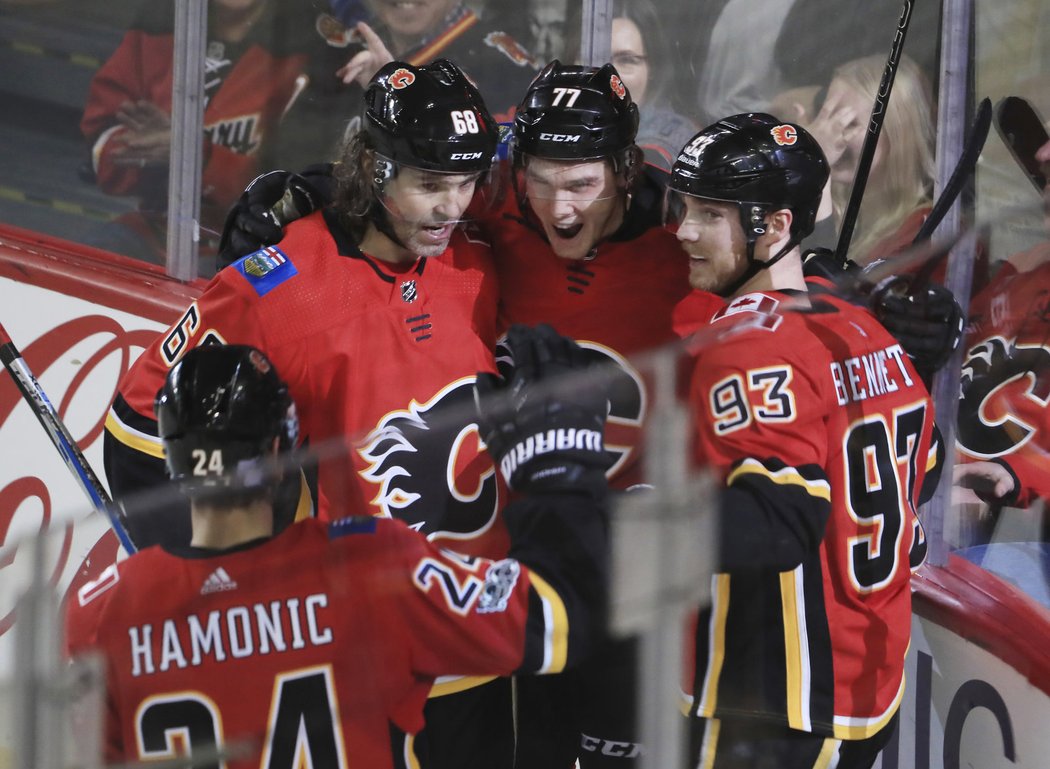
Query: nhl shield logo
408, 291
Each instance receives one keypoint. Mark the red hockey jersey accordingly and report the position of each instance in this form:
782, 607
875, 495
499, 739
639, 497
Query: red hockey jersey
379, 360
317, 647
616, 305
1006, 377
824, 435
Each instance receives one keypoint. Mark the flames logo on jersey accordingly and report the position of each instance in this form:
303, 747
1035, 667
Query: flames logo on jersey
617, 86
429, 467
1005, 393
401, 78
627, 403
785, 135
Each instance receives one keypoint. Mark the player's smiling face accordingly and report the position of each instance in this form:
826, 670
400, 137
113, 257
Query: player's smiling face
711, 234
424, 207
577, 203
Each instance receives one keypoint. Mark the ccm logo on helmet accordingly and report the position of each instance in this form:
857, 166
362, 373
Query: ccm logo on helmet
617, 86
465, 156
784, 135
402, 78
570, 138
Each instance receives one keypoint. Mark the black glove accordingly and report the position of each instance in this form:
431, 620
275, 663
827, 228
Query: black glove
822, 263
544, 423
927, 322
267, 205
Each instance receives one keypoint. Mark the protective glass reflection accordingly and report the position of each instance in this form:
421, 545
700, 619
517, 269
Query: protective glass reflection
674, 211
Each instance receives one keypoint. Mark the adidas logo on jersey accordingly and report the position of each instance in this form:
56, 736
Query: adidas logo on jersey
218, 581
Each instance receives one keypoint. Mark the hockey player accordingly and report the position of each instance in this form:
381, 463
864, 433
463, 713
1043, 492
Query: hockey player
317, 645
378, 311
824, 435
383, 283
578, 246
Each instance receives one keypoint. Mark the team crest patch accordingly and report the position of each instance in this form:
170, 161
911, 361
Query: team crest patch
499, 584
409, 293
266, 269
355, 524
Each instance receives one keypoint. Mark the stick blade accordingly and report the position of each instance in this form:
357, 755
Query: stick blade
1023, 132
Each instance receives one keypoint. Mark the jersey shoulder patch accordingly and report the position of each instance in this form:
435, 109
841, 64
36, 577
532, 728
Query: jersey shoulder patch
93, 589
355, 524
266, 269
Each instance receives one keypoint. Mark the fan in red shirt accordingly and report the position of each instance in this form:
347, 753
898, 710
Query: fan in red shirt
317, 645
823, 434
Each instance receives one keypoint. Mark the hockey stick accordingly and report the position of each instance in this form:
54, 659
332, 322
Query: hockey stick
48, 417
967, 162
878, 117
1023, 132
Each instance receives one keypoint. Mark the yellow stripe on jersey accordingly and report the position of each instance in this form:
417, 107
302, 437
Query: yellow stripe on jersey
716, 644
133, 438
455, 684
304, 508
709, 746
828, 753
931, 457
861, 728
796, 646
788, 476
556, 622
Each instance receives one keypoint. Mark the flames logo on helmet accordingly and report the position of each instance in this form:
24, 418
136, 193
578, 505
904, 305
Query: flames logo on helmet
455, 498
617, 86
785, 135
402, 78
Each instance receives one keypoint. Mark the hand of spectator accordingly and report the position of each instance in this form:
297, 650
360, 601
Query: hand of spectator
835, 126
989, 481
364, 64
147, 140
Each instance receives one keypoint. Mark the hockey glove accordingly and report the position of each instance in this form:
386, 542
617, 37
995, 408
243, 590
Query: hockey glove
822, 263
267, 205
543, 423
928, 323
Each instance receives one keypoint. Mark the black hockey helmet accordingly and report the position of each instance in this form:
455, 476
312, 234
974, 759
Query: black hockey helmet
575, 113
218, 413
430, 117
759, 162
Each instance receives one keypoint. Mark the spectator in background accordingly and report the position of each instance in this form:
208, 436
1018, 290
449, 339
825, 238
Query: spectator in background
642, 55
899, 188
734, 67
252, 76
418, 33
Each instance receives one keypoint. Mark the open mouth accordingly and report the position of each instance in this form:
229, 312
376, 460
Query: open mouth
437, 231
568, 232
